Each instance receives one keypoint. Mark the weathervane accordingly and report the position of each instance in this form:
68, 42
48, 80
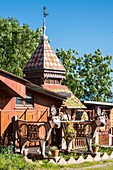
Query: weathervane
44, 21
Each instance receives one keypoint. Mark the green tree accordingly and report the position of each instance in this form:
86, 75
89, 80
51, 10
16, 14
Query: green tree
72, 65
17, 43
96, 76
89, 77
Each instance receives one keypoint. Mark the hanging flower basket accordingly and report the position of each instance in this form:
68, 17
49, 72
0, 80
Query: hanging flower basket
70, 132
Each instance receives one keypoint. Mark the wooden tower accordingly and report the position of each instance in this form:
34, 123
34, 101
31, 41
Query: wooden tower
44, 67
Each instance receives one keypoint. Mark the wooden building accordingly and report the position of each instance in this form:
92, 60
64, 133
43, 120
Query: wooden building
30, 98
19, 97
45, 69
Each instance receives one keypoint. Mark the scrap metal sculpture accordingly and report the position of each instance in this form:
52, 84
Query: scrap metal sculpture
86, 129
33, 131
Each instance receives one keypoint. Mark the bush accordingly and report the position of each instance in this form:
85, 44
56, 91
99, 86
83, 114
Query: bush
7, 150
108, 150
15, 162
68, 155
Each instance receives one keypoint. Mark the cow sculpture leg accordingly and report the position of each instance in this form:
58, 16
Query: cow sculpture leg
43, 145
68, 144
88, 143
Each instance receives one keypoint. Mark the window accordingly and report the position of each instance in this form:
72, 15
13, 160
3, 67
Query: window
25, 102
19, 101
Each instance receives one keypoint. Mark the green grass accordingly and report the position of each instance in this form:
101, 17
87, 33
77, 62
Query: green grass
104, 165
50, 166
14, 162
10, 161
17, 162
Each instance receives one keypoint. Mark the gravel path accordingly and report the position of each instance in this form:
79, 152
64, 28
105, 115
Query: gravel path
90, 167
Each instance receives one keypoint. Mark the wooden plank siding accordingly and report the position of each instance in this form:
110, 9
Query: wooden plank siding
11, 87
111, 118
38, 112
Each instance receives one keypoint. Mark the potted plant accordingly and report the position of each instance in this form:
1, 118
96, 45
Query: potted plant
95, 147
55, 151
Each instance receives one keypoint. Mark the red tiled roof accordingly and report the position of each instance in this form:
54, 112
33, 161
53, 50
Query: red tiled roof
72, 102
44, 58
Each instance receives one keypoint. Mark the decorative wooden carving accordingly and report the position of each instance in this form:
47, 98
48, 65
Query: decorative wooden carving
86, 129
26, 131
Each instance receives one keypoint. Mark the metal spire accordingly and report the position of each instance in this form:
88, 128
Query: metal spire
44, 20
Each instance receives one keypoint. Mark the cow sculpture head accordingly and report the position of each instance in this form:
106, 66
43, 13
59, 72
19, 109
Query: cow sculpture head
100, 118
56, 120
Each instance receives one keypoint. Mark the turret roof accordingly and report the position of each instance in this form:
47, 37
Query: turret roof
44, 58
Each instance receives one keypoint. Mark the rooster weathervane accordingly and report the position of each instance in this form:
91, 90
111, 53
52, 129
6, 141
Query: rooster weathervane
44, 21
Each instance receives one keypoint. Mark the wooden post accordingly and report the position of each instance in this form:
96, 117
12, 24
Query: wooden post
14, 119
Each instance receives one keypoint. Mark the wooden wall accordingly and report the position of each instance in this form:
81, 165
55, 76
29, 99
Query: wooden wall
42, 104
111, 118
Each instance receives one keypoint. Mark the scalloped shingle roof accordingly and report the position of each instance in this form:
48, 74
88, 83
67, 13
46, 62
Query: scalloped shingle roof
72, 102
44, 58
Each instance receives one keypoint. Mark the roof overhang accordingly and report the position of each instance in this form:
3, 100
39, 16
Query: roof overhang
72, 101
14, 84
44, 91
98, 103
7, 90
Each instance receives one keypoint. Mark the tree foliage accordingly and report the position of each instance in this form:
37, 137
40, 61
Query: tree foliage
96, 73
17, 43
89, 77
72, 63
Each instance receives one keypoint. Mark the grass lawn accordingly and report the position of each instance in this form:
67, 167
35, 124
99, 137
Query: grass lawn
10, 161
104, 165
17, 162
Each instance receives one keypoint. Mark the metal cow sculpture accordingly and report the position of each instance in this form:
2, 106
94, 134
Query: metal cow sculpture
99, 121
33, 131
39, 131
86, 129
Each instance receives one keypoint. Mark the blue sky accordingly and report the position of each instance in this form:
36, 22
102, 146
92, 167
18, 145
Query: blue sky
84, 25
